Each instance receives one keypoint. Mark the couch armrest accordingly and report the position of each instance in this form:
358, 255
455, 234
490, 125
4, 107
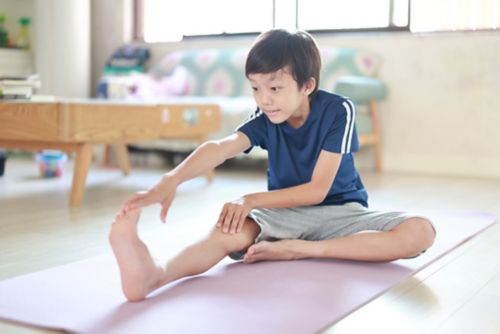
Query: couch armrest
361, 90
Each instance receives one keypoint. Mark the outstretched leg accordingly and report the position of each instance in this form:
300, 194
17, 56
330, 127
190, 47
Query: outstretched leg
408, 239
139, 273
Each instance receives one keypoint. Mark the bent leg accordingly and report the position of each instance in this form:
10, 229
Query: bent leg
206, 253
408, 239
139, 273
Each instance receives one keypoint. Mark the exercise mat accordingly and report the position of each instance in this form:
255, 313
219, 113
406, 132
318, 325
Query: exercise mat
268, 297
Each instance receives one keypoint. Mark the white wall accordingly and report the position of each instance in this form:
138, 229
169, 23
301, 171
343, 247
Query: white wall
62, 46
443, 112
111, 28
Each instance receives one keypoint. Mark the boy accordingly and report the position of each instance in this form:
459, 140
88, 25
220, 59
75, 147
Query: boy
316, 203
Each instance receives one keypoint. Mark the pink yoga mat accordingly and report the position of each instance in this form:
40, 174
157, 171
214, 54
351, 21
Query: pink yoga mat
268, 297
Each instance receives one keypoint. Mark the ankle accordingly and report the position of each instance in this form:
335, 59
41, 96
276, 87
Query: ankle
298, 249
160, 278
139, 284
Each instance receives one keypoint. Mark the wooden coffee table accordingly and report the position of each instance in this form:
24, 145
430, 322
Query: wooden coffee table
75, 126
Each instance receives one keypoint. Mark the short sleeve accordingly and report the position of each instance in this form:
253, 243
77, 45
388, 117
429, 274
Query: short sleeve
255, 128
342, 135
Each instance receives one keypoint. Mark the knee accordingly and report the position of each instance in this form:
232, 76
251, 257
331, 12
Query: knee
417, 235
238, 241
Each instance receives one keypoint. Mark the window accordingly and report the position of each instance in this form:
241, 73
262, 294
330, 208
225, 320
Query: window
169, 20
454, 15
352, 14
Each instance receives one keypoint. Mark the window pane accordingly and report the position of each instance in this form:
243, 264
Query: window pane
246, 16
285, 15
343, 14
449, 15
169, 20
400, 14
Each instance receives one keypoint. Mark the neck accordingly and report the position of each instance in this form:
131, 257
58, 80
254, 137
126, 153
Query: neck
300, 116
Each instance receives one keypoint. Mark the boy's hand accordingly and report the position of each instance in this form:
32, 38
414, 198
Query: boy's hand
233, 215
163, 193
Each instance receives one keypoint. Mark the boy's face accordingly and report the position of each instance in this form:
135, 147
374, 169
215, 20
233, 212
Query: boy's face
278, 95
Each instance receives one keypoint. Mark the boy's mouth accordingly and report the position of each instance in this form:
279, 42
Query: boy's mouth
271, 112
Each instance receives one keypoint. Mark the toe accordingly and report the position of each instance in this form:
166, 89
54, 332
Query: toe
131, 216
251, 250
249, 259
133, 213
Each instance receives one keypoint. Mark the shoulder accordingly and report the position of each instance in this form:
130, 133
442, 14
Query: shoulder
255, 118
255, 128
330, 103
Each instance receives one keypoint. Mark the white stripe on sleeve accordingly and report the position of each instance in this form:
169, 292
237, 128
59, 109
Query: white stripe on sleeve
351, 127
346, 140
252, 116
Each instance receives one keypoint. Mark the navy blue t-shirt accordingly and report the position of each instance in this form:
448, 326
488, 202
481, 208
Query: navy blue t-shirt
292, 153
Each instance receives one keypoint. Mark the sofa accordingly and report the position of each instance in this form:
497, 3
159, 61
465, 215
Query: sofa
217, 75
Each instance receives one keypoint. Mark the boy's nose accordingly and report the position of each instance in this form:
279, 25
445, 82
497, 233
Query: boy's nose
266, 99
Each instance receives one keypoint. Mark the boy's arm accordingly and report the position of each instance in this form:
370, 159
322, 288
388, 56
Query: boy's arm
210, 155
313, 192
310, 193
206, 157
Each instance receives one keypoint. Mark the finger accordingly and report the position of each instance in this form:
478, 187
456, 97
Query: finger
135, 196
131, 202
236, 222
120, 213
139, 202
163, 213
122, 210
227, 221
132, 206
242, 221
221, 217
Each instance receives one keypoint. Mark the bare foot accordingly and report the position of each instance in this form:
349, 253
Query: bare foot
276, 250
139, 273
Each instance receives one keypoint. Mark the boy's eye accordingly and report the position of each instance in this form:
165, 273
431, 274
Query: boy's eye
254, 89
275, 89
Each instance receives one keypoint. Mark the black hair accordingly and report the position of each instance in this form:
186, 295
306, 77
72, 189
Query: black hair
278, 48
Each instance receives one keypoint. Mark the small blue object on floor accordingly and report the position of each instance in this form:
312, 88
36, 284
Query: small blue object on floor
51, 163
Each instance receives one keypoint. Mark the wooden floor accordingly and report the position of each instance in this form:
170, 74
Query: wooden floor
460, 293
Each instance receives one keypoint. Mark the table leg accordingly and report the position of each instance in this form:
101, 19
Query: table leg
122, 157
80, 171
106, 156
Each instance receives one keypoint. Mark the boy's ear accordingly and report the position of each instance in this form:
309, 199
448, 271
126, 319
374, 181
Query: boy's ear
310, 85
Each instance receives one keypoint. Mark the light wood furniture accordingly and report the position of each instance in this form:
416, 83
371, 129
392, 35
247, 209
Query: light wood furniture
374, 137
365, 91
75, 126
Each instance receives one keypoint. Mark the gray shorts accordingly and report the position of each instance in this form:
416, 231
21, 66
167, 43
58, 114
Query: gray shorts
322, 222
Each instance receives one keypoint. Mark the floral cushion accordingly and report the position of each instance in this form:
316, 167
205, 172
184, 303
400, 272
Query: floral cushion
221, 71
211, 72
